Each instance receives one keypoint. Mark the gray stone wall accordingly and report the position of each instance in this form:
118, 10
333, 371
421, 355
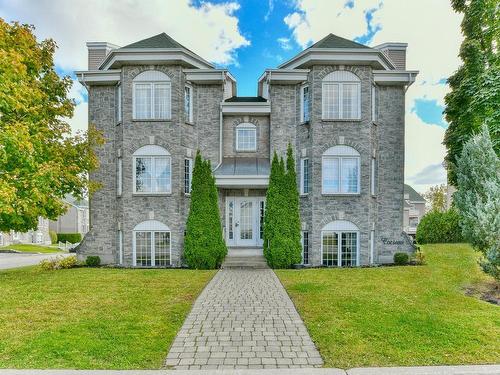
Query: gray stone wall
229, 136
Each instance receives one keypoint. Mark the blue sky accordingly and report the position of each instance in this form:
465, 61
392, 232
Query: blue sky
248, 36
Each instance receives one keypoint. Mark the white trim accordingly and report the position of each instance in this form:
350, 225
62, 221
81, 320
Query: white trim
208, 76
284, 76
154, 152
99, 77
339, 56
151, 226
341, 152
394, 77
231, 181
152, 85
392, 45
236, 241
152, 249
118, 111
235, 108
151, 150
152, 56
191, 96
341, 79
302, 176
339, 245
190, 175
302, 103
340, 226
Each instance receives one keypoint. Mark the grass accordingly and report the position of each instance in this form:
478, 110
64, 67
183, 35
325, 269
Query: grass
406, 316
88, 318
27, 248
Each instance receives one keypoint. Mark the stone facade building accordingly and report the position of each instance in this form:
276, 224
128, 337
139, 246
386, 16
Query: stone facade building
339, 103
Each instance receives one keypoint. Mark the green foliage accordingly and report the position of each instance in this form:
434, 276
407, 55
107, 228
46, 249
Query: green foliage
58, 263
53, 237
204, 246
401, 259
439, 227
282, 247
475, 87
93, 261
419, 257
436, 196
478, 199
69, 237
40, 160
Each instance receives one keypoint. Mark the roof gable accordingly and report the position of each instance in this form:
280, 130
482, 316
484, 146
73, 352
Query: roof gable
335, 41
158, 41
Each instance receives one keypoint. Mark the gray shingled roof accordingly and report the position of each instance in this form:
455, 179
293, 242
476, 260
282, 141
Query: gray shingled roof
334, 41
158, 41
414, 196
243, 167
246, 99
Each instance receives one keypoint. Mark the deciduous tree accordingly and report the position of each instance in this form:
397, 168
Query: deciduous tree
40, 160
436, 196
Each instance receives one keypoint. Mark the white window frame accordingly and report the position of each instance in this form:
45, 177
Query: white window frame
374, 103
119, 177
152, 78
154, 152
150, 226
303, 105
302, 238
341, 79
340, 152
302, 176
373, 168
189, 114
339, 227
190, 175
119, 103
246, 126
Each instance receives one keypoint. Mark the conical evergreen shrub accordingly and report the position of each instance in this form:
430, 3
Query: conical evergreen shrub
204, 247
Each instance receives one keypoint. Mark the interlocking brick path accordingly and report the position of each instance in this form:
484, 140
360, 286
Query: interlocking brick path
243, 319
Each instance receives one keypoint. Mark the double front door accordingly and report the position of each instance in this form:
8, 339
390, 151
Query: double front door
244, 221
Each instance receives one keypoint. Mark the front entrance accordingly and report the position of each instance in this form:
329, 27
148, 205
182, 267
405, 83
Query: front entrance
244, 221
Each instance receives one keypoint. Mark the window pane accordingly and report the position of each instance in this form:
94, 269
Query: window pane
187, 102
348, 248
330, 175
246, 216
143, 174
230, 220
349, 100
261, 220
162, 249
162, 101
142, 99
330, 249
331, 101
188, 171
305, 176
350, 175
305, 247
143, 248
162, 174
305, 103
246, 139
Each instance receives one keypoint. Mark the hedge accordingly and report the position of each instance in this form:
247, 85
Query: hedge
53, 237
439, 227
69, 237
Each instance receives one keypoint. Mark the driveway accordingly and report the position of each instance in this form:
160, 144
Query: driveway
15, 260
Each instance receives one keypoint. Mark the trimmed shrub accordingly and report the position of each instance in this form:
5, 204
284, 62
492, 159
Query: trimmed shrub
53, 237
58, 263
439, 227
401, 259
69, 237
93, 261
204, 246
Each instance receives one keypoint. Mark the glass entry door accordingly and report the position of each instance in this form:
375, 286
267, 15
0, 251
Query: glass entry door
244, 221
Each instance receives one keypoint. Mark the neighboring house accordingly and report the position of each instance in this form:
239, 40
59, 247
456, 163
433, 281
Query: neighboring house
75, 220
339, 103
38, 236
414, 210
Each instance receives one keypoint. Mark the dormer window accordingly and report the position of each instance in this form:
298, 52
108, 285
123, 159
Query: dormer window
246, 137
152, 96
341, 93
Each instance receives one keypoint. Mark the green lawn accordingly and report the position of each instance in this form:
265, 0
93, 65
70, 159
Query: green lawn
387, 316
27, 248
93, 318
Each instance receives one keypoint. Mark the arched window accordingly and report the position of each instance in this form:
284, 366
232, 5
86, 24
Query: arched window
152, 170
340, 244
340, 170
151, 96
151, 244
341, 96
246, 137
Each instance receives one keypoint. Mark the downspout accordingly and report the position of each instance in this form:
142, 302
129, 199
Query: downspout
220, 118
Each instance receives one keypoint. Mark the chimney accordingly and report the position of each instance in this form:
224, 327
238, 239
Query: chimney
395, 52
98, 52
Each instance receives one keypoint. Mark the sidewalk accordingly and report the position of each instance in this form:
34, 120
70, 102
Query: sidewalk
427, 370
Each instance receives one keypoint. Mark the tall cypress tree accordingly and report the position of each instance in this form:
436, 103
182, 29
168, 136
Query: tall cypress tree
204, 247
293, 217
270, 212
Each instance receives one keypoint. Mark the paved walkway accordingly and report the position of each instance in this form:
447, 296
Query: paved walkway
14, 260
243, 319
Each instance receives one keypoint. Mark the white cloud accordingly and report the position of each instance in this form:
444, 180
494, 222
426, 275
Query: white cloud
432, 31
210, 29
285, 43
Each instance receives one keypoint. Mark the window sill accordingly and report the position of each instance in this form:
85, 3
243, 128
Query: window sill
187, 195
304, 195
152, 120
304, 122
189, 123
151, 194
341, 120
245, 151
341, 194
